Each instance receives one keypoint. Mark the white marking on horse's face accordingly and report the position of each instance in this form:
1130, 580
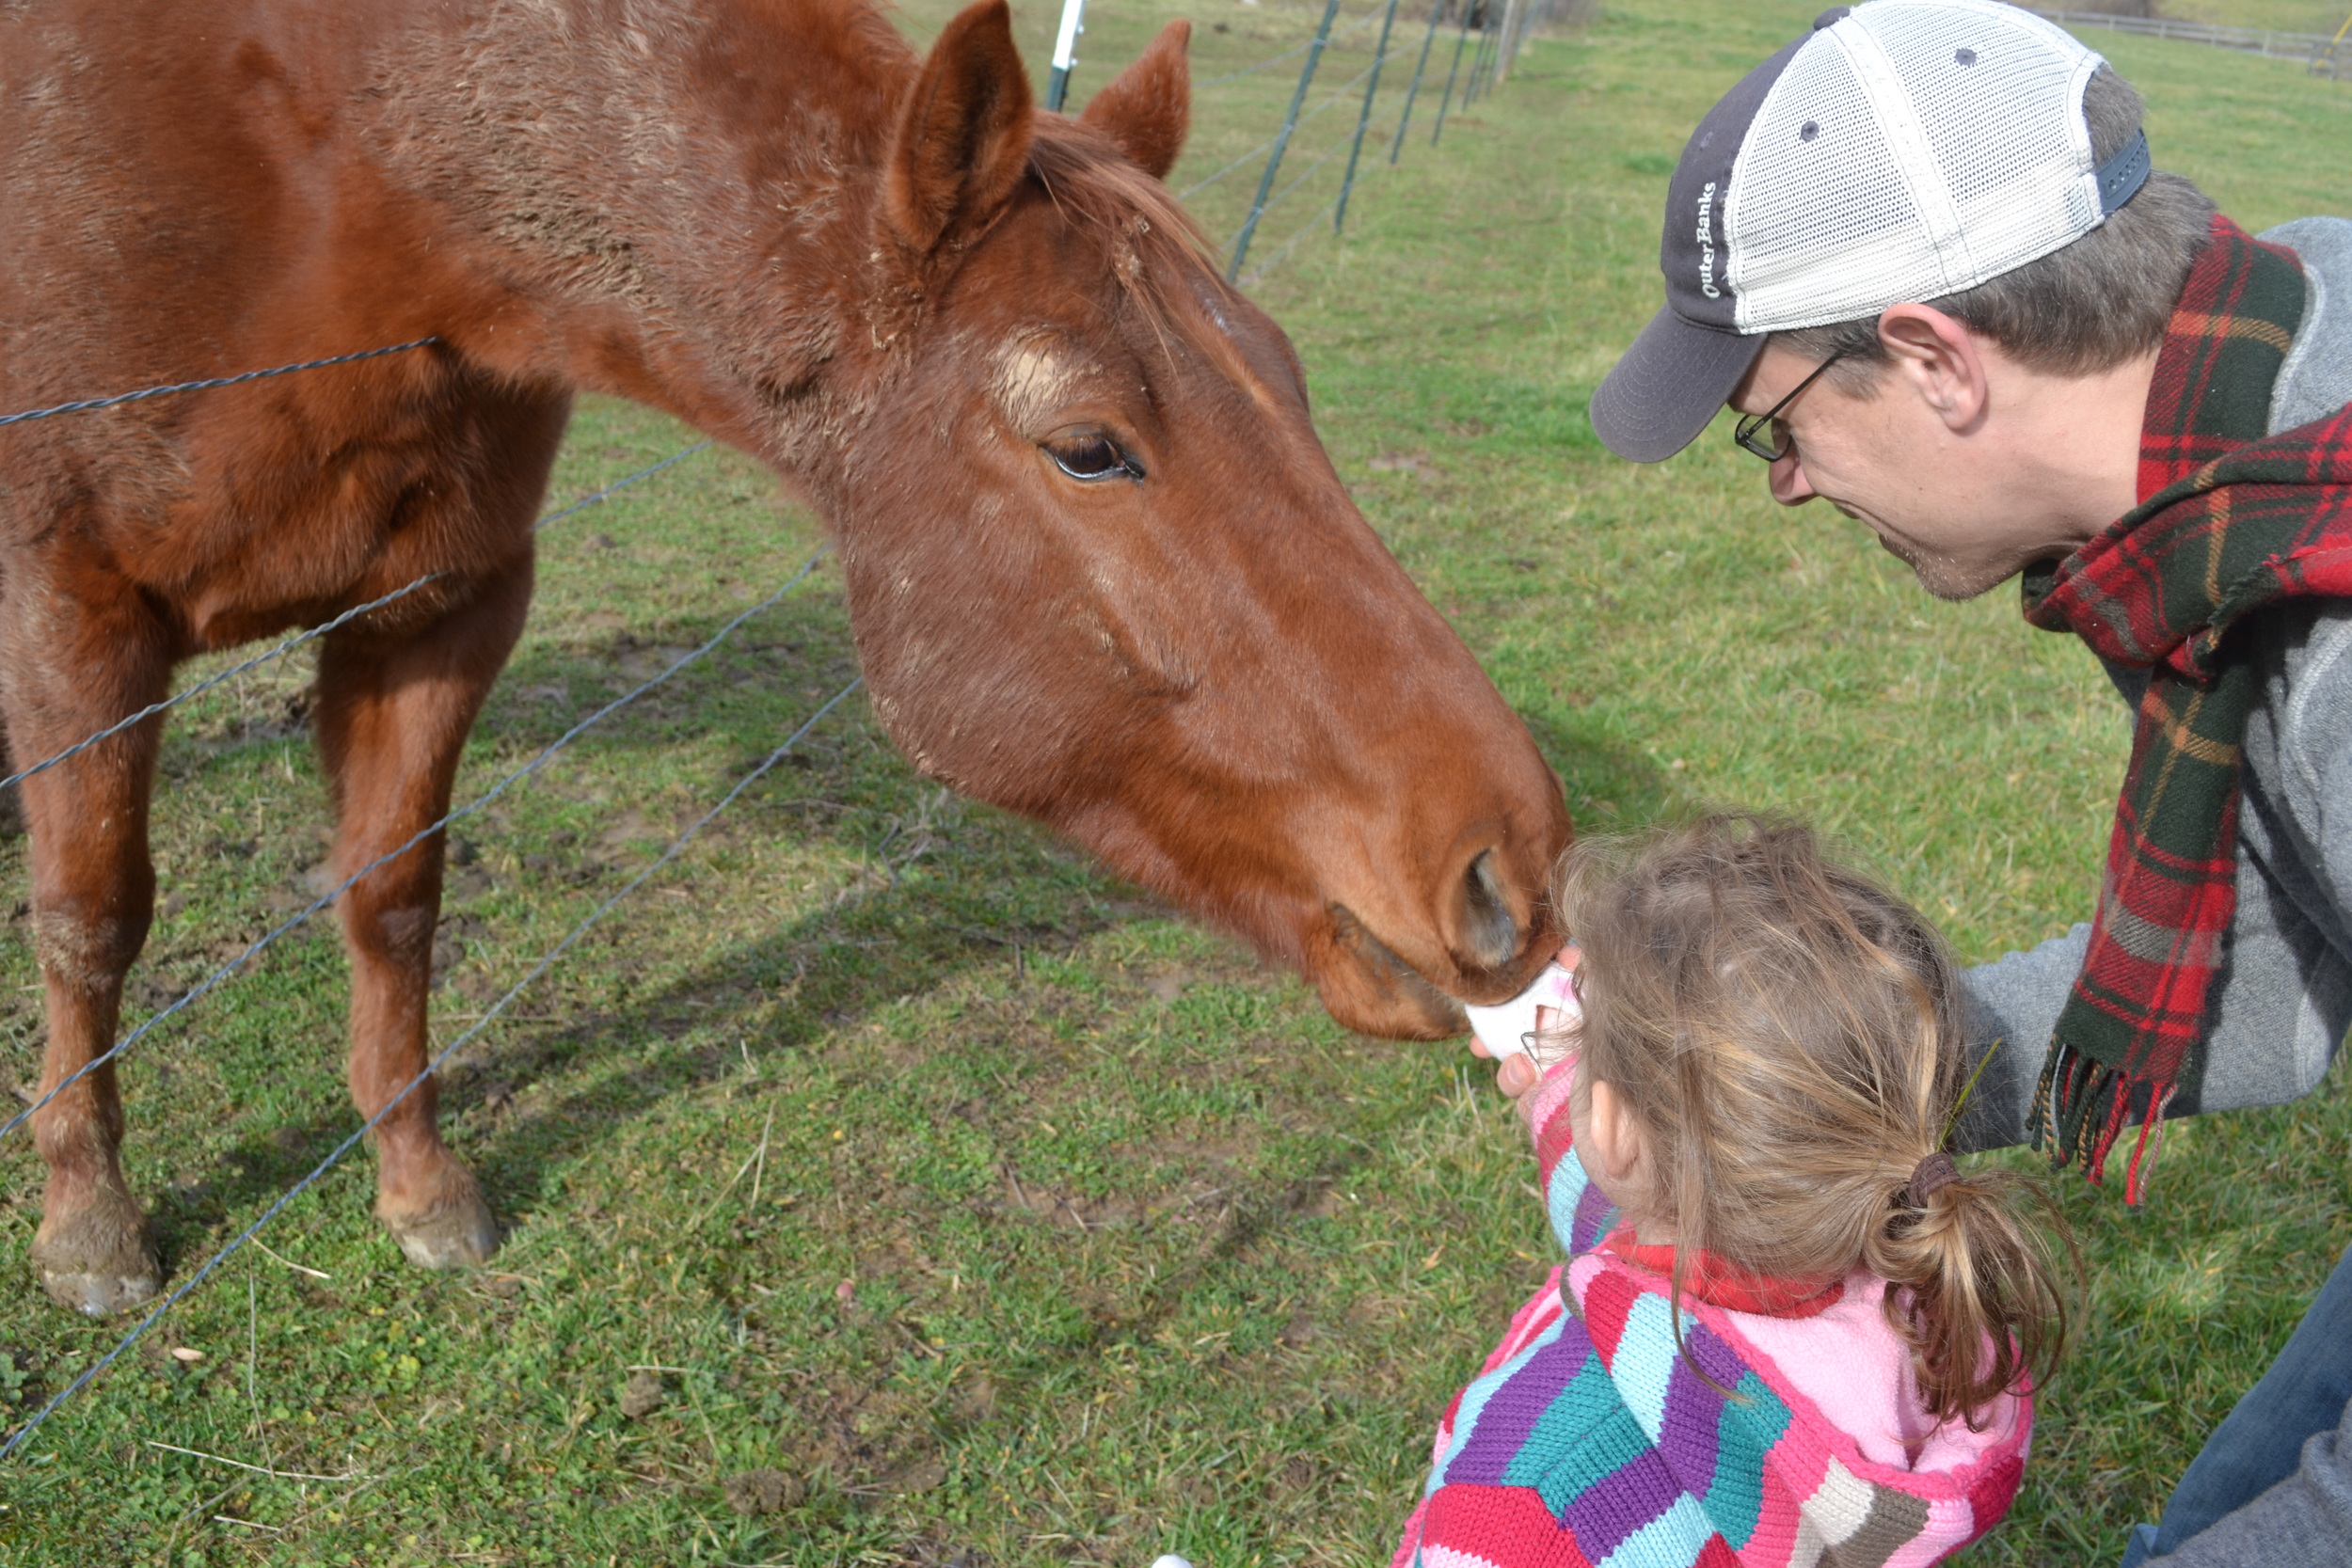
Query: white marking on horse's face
1032, 380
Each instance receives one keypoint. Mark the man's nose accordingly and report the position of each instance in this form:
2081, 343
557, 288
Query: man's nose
1789, 486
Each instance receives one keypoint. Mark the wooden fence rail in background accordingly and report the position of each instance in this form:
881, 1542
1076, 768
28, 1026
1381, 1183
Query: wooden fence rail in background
2320, 49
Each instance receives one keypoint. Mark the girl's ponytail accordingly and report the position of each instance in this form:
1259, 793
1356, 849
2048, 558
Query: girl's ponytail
1972, 1283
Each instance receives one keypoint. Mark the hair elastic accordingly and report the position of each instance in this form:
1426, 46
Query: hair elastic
1933, 1173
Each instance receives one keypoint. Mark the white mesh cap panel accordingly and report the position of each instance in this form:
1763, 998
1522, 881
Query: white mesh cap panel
1797, 202
1947, 146
2007, 133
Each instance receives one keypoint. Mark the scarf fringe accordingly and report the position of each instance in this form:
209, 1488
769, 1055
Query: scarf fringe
2081, 1106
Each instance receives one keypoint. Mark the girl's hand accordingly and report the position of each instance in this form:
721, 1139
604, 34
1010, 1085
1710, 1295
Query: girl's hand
1516, 1076
1520, 1073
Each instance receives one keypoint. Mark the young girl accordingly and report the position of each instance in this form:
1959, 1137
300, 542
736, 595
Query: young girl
1791, 1331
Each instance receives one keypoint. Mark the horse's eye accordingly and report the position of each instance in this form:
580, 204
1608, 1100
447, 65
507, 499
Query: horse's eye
1092, 457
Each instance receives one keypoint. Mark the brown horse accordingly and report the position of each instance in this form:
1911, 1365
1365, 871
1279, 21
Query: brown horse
1100, 570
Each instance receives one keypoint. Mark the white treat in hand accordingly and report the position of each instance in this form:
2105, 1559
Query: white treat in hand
1503, 1028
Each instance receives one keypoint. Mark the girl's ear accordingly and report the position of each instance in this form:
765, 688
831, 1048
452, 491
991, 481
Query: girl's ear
1616, 1135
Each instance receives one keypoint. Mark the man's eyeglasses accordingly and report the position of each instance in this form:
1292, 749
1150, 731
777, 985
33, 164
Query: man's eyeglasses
1746, 430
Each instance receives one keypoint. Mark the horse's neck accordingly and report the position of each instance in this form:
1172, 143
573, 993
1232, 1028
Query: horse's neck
682, 191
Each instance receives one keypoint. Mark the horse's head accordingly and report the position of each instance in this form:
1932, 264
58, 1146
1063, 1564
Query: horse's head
1103, 573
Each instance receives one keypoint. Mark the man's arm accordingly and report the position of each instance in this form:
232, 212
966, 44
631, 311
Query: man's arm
2285, 995
2285, 999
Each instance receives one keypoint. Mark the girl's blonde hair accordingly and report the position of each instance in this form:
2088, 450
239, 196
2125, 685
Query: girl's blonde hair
1788, 1038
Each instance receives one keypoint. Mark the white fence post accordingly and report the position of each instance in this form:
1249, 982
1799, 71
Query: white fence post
1065, 52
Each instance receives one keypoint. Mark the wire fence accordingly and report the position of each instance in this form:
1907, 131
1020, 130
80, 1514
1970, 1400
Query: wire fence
220, 976
1496, 41
547, 962
88, 406
458, 813
299, 639
1291, 53
1498, 27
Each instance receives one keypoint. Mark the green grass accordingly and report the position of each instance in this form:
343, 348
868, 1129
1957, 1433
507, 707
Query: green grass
1009, 1217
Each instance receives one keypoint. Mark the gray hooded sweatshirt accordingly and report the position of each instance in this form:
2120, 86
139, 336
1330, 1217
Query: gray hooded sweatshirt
2285, 996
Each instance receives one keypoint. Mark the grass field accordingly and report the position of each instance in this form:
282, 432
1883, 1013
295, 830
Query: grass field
891, 1186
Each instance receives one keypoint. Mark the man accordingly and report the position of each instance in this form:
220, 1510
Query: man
1922, 251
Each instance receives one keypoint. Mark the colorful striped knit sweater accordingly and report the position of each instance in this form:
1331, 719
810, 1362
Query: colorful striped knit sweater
1587, 1440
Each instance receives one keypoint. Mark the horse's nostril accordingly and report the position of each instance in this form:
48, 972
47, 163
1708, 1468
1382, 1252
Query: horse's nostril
1489, 933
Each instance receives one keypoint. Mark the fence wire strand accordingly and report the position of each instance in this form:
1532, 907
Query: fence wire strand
1290, 54
546, 962
1304, 175
86, 404
1262, 148
1267, 146
1343, 90
290, 645
1283, 249
456, 813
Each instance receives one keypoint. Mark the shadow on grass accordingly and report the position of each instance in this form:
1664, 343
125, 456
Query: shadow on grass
1610, 787
825, 972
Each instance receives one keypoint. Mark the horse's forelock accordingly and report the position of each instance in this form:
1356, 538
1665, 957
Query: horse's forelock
1153, 245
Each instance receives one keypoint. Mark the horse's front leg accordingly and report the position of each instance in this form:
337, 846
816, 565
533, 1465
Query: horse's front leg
391, 717
74, 665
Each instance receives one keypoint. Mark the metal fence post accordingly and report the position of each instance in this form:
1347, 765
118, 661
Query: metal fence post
1482, 58
1281, 141
1380, 54
1437, 8
1065, 55
1460, 39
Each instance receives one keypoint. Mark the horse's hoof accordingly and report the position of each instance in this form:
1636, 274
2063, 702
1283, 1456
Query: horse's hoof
457, 1233
99, 1260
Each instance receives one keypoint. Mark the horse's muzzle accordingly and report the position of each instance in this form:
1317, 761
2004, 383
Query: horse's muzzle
1480, 942
1367, 987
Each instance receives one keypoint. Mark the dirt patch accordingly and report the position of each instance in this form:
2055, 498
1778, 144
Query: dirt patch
641, 662
878, 1440
763, 1492
1074, 1211
641, 1395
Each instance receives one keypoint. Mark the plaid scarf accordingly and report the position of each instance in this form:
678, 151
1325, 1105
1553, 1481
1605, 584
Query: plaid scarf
2231, 520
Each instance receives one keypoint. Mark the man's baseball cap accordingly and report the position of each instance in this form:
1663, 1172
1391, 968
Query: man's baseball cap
1903, 150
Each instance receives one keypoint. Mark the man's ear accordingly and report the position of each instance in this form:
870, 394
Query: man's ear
1939, 358
1148, 109
963, 133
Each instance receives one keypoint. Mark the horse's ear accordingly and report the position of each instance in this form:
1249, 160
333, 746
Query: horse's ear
963, 131
1149, 108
